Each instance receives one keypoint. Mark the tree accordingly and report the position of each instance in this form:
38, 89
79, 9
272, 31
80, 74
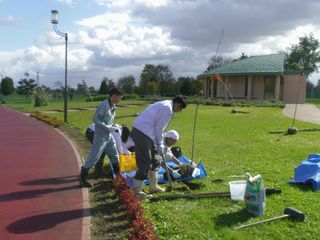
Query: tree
106, 85
126, 84
167, 83
310, 90
217, 61
198, 86
103, 87
243, 56
6, 86
152, 87
304, 56
148, 74
162, 77
186, 85
26, 87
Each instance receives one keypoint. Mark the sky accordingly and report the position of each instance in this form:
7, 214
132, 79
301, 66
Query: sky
116, 38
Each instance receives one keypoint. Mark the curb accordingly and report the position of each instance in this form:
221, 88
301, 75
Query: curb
85, 235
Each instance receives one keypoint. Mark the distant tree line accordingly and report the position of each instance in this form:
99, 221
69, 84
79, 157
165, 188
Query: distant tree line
159, 80
154, 80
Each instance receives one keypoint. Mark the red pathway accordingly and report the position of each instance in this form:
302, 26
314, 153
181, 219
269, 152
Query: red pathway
39, 193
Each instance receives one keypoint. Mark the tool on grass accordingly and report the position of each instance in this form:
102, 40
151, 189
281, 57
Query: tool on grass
290, 213
205, 195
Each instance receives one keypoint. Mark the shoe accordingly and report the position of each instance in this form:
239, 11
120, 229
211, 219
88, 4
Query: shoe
137, 186
83, 179
153, 182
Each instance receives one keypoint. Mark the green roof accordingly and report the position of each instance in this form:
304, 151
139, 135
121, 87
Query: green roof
271, 64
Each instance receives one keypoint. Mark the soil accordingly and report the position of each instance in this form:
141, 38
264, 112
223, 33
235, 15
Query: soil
108, 220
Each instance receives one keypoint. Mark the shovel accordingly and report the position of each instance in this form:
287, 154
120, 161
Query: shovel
290, 213
204, 195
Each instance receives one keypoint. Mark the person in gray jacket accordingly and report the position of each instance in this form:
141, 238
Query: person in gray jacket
147, 134
103, 140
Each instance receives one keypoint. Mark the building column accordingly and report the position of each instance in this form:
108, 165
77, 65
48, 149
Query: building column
277, 88
249, 87
204, 85
226, 88
212, 85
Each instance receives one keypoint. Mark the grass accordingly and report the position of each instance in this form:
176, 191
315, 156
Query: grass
233, 144
315, 101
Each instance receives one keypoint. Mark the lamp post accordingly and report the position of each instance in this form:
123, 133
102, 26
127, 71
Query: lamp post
54, 21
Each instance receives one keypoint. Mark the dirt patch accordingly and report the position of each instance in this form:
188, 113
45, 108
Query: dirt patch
108, 220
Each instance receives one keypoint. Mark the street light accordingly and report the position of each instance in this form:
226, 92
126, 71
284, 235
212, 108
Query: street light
54, 21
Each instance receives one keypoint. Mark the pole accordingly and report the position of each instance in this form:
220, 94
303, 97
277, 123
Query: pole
66, 81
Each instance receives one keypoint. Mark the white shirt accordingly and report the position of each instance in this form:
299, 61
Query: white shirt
116, 134
168, 155
154, 120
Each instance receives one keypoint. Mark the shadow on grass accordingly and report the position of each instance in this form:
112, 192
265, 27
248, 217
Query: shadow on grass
304, 187
232, 219
108, 216
299, 130
194, 185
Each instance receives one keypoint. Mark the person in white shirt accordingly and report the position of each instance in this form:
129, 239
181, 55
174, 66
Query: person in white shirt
147, 134
170, 138
121, 135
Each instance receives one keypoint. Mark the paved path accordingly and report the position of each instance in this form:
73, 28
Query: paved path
305, 112
39, 194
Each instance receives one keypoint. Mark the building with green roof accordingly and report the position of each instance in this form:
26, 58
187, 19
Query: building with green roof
257, 77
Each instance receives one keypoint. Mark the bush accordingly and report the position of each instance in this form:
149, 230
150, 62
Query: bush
41, 98
100, 98
130, 96
47, 119
97, 98
141, 228
241, 102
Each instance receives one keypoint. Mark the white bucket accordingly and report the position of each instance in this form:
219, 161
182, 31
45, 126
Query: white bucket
237, 190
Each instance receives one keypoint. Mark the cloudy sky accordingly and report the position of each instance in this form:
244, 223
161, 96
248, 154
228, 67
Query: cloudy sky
114, 38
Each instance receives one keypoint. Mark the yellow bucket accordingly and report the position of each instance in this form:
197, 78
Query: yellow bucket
128, 163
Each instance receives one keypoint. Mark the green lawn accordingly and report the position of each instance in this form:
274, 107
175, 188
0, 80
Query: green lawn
233, 144
315, 101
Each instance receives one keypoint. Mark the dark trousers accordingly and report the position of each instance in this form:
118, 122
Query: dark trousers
146, 154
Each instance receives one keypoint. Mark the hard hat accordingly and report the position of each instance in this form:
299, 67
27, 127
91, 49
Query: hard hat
172, 134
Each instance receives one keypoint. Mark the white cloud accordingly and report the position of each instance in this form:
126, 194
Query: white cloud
67, 2
182, 34
106, 20
10, 21
119, 35
152, 3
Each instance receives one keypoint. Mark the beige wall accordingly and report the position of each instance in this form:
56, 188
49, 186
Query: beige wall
237, 86
220, 90
294, 85
288, 91
258, 87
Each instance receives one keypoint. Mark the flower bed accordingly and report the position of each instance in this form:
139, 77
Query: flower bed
47, 119
142, 229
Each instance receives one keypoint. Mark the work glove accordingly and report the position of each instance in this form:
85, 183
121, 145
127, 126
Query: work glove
113, 128
175, 174
161, 149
